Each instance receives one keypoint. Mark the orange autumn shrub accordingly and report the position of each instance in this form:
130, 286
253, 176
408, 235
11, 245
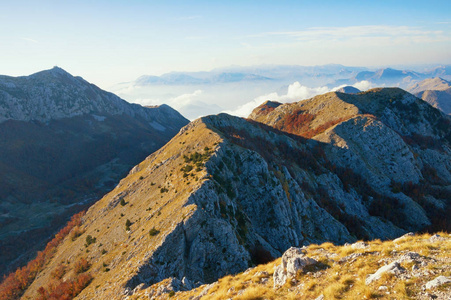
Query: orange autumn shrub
14, 285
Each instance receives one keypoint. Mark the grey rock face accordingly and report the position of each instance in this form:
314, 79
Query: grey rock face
55, 94
395, 141
374, 150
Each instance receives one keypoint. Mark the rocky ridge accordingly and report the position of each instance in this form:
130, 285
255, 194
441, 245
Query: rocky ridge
227, 193
55, 94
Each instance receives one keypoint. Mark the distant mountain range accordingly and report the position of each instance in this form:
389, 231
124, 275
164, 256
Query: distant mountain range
63, 143
250, 74
197, 78
329, 74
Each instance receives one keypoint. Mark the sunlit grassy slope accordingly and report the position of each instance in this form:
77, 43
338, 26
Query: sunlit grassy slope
341, 272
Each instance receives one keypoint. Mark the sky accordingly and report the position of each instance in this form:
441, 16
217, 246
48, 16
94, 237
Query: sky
108, 42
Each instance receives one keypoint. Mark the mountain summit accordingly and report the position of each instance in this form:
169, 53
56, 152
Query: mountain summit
55, 94
63, 143
227, 193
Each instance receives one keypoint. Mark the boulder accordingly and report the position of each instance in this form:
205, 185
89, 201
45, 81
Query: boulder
401, 238
293, 260
394, 268
436, 238
359, 245
441, 280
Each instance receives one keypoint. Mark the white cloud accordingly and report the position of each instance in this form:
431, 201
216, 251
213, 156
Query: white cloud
361, 85
295, 92
245, 109
376, 32
190, 105
185, 99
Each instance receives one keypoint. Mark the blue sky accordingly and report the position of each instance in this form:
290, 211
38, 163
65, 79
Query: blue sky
107, 42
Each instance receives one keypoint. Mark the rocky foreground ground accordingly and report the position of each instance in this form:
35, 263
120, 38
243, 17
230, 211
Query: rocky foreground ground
409, 267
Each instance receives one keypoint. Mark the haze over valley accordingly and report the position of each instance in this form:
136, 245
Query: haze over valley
237, 90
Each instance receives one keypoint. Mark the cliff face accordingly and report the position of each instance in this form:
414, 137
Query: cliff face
227, 193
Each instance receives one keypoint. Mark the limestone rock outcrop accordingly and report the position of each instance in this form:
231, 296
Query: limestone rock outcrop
293, 261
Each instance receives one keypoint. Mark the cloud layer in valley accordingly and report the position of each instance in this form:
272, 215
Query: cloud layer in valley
190, 105
295, 92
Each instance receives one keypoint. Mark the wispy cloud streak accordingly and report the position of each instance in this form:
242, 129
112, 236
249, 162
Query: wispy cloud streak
358, 32
29, 40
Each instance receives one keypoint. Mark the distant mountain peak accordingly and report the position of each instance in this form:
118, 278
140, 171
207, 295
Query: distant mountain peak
58, 69
436, 91
432, 84
55, 94
55, 71
349, 90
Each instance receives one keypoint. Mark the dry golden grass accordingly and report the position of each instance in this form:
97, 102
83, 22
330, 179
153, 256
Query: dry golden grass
340, 280
154, 196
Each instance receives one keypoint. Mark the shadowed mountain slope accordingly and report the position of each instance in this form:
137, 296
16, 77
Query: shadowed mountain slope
63, 143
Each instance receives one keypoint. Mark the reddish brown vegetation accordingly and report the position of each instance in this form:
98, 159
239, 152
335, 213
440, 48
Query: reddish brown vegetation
59, 272
64, 290
266, 109
423, 141
320, 129
15, 283
81, 265
75, 233
299, 123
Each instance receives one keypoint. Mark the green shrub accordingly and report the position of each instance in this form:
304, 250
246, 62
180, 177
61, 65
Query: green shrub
153, 232
90, 240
